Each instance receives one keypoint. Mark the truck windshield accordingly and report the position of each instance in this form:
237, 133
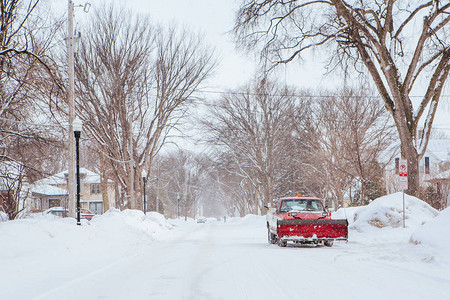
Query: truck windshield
301, 205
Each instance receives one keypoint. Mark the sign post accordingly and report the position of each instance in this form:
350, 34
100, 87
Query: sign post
403, 182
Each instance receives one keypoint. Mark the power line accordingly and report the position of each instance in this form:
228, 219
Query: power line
297, 95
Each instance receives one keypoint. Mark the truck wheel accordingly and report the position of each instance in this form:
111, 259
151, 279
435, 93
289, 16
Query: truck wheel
329, 243
282, 243
271, 237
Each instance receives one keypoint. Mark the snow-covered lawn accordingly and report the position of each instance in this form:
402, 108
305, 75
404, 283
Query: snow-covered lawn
126, 255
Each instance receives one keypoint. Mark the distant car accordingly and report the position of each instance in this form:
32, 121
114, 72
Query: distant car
201, 220
57, 211
63, 213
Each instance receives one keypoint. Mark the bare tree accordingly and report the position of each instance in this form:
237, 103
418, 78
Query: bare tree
27, 77
402, 46
253, 128
326, 146
12, 178
181, 174
354, 131
26, 69
134, 81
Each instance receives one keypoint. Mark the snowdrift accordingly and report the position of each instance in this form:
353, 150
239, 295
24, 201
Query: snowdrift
431, 233
45, 237
3, 217
387, 211
345, 213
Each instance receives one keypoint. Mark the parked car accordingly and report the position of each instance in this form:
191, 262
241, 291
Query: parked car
63, 213
201, 220
57, 211
86, 214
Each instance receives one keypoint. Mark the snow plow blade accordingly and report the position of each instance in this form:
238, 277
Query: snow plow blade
312, 230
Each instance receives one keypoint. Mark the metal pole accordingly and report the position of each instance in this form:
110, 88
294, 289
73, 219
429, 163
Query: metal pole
404, 216
145, 205
77, 147
71, 92
178, 207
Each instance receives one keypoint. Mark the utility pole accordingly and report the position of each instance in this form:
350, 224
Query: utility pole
71, 93
157, 189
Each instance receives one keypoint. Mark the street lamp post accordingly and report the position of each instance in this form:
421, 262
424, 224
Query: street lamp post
71, 98
71, 91
178, 207
77, 126
144, 179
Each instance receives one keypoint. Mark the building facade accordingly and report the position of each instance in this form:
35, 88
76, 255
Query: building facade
52, 192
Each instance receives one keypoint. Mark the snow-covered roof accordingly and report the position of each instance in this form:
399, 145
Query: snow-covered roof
438, 150
48, 190
61, 178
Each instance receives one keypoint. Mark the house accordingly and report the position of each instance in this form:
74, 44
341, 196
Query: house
52, 192
442, 182
438, 152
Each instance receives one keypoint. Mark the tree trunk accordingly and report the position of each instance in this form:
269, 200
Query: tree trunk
409, 153
103, 183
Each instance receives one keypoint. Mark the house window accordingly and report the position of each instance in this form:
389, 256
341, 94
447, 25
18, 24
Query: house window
95, 188
54, 203
427, 165
96, 207
397, 164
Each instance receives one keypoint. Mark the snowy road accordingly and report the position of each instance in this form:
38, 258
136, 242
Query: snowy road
233, 261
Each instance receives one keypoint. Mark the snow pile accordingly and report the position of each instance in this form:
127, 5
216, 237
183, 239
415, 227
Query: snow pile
130, 223
159, 219
44, 237
345, 213
387, 211
3, 217
431, 235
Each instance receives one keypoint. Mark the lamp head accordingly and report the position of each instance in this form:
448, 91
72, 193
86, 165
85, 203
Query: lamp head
77, 125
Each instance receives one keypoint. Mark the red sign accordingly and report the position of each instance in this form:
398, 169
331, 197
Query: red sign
403, 168
403, 174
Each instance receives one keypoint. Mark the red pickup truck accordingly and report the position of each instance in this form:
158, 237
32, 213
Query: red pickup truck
303, 220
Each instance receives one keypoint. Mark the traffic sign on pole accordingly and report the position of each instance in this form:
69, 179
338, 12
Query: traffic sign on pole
403, 174
403, 183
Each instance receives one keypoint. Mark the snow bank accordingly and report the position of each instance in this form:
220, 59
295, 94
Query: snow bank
44, 237
130, 223
159, 219
431, 233
387, 211
248, 221
3, 217
345, 213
